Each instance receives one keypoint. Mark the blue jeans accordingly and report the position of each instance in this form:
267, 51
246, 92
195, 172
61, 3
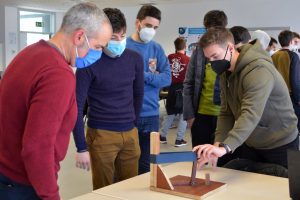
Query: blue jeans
168, 122
145, 126
10, 190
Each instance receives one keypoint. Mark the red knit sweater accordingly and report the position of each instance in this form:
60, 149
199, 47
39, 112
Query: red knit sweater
37, 114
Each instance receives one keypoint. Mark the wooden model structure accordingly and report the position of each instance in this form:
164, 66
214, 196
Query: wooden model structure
189, 187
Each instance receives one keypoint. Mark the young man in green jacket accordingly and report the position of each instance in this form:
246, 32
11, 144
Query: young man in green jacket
256, 109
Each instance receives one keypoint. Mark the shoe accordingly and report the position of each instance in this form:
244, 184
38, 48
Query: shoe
163, 140
180, 143
173, 126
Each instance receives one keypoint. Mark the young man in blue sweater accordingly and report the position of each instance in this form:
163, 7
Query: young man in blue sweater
114, 88
157, 74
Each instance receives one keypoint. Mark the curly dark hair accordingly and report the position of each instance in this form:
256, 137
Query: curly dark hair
180, 43
240, 34
285, 37
215, 18
149, 11
116, 18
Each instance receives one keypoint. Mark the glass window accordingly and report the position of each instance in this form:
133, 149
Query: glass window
36, 22
34, 26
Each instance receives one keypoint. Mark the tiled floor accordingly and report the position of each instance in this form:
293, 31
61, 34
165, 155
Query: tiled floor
74, 182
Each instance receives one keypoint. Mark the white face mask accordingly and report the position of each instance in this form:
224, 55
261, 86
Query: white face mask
271, 52
293, 48
147, 34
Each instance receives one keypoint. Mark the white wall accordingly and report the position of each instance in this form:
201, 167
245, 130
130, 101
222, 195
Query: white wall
10, 37
1, 57
2, 37
58, 20
250, 13
11, 34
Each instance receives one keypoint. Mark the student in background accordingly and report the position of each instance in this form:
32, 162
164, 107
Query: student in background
201, 92
272, 47
296, 43
114, 88
156, 76
241, 35
287, 63
296, 39
36, 120
179, 63
262, 37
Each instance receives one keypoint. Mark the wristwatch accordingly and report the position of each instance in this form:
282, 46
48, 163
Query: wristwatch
226, 147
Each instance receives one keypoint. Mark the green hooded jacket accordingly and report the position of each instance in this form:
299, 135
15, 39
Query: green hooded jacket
256, 106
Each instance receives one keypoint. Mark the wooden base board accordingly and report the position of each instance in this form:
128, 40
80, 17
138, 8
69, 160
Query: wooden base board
198, 191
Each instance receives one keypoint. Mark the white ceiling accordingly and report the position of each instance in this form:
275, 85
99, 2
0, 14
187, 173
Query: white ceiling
63, 5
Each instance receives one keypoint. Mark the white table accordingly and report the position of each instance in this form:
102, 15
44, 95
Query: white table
240, 185
94, 196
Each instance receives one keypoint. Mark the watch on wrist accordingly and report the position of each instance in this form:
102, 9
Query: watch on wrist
226, 147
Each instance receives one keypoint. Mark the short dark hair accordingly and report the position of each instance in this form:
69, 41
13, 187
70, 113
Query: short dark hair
240, 34
273, 40
149, 11
285, 37
216, 35
179, 43
116, 18
215, 18
296, 35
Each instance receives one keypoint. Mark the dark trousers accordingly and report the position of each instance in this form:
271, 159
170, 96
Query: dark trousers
145, 126
10, 190
228, 157
297, 112
203, 129
275, 156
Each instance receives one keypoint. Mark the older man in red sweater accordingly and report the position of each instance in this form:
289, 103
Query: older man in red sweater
38, 104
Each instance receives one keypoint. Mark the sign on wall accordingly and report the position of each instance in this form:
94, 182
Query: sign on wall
192, 36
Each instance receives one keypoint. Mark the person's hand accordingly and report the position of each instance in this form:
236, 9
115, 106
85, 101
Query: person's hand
217, 144
190, 122
208, 153
83, 160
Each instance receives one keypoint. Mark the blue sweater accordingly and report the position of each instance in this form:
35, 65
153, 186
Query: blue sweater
153, 82
114, 88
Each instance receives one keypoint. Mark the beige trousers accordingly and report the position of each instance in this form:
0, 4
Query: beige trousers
114, 155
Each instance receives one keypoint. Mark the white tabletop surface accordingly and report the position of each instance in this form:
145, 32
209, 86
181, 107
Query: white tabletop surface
94, 196
240, 185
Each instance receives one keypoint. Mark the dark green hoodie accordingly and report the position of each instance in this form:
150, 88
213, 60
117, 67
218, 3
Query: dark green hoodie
256, 106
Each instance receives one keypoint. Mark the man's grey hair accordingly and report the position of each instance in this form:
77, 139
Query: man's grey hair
86, 16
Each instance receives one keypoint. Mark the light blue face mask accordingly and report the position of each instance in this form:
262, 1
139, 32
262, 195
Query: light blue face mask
90, 58
115, 48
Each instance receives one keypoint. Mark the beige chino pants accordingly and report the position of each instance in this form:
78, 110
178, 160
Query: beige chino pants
114, 155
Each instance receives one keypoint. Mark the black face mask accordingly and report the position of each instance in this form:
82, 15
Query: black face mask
220, 66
